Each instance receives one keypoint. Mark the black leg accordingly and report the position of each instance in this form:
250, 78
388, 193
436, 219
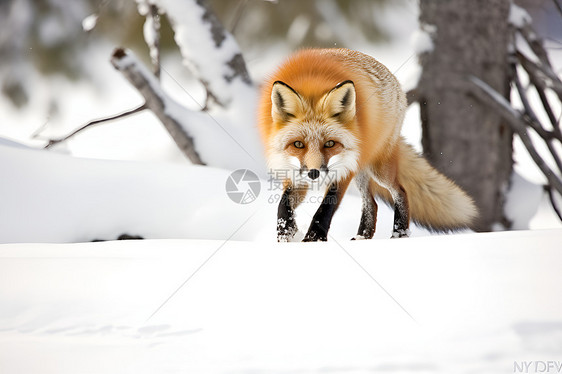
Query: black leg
318, 230
401, 214
286, 224
368, 222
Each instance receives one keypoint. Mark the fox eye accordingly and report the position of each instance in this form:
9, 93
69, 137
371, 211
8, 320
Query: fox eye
329, 144
298, 144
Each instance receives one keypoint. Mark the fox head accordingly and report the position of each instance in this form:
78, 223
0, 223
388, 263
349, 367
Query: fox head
313, 141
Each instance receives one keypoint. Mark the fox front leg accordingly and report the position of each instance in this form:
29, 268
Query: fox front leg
286, 224
318, 230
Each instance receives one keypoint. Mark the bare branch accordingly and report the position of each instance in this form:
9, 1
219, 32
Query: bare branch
517, 122
541, 88
536, 45
156, 100
541, 81
99, 121
535, 124
553, 202
543, 73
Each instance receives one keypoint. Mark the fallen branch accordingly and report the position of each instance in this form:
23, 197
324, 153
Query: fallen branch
517, 122
155, 100
95, 122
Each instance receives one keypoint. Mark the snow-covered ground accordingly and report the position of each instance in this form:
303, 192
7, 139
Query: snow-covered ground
472, 303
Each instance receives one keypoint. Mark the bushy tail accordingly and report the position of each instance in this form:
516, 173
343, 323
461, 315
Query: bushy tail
436, 203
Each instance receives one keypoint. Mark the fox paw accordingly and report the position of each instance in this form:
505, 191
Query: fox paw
315, 237
400, 233
318, 239
359, 237
285, 230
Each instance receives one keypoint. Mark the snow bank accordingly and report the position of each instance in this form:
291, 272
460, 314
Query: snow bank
49, 197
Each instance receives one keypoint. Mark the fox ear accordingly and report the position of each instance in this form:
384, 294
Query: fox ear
340, 101
285, 102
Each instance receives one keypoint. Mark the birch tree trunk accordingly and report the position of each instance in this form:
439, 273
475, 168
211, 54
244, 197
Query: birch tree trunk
462, 137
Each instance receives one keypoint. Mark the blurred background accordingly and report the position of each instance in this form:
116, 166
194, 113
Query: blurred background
55, 73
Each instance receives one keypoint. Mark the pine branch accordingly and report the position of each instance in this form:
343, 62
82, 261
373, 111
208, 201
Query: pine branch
99, 121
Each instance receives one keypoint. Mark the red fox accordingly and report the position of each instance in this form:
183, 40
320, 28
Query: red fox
328, 116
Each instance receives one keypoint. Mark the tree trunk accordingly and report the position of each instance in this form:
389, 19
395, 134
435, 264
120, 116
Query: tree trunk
462, 137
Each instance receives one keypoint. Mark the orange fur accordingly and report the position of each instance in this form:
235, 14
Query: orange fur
313, 72
394, 170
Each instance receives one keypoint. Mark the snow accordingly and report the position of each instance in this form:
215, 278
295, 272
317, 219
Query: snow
523, 201
150, 27
478, 303
214, 131
422, 39
150, 38
57, 198
221, 130
89, 22
518, 16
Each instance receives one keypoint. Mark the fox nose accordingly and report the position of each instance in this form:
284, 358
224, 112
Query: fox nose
314, 173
